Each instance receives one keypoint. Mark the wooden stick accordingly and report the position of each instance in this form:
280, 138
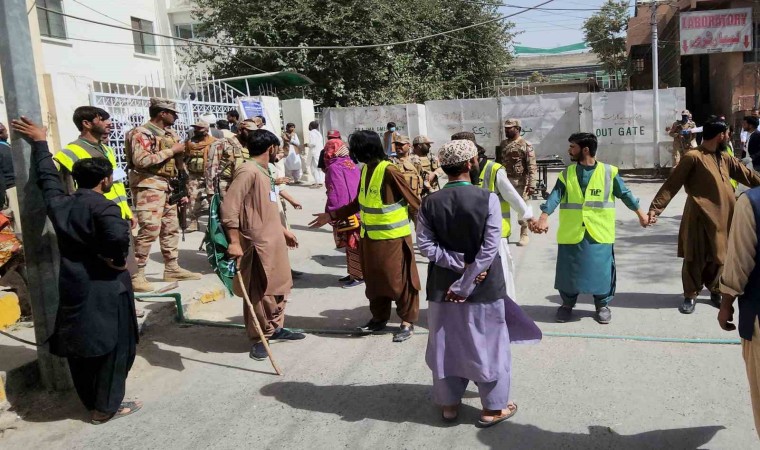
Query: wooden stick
255, 320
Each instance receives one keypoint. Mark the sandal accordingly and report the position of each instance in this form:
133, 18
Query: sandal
497, 418
132, 406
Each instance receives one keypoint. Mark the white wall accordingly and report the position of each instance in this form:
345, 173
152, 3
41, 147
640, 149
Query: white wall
74, 64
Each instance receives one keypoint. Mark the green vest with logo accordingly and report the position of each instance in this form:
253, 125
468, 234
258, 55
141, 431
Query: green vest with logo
488, 182
593, 212
73, 153
381, 221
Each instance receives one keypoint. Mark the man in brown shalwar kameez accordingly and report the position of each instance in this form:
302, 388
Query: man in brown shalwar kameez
706, 174
388, 263
259, 241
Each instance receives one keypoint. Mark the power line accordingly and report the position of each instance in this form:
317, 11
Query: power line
320, 47
102, 14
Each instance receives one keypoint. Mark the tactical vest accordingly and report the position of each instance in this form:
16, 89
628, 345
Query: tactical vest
381, 221
196, 156
118, 193
428, 166
232, 160
488, 182
410, 174
167, 169
593, 212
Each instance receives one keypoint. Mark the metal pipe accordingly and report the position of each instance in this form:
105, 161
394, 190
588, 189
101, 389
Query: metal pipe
655, 87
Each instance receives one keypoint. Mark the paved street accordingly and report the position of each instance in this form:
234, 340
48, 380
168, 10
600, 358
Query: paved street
202, 391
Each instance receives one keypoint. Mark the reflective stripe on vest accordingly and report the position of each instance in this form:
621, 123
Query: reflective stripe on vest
72, 153
488, 182
381, 221
592, 212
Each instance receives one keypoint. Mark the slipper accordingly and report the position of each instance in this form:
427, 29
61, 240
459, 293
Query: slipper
133, 408
498, 418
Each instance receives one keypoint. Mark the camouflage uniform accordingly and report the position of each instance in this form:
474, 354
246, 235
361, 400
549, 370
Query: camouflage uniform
518, 158
411, 176
682, 144
226, 154
152, 164
425, 166
196, 157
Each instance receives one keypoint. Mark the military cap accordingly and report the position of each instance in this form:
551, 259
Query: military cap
401, 139
466, 135
512, 123
201, 124
421, 140
163, 103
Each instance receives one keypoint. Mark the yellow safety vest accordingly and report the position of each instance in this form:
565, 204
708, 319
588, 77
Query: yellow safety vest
73, 153
730, 151
488, 182
593, 212
381, 221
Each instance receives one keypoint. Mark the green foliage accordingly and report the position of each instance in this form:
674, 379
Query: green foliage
605, 33
537, 77
436, 68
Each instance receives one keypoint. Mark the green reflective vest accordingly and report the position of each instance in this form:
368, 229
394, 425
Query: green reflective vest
593, 212
381, 221
73, 153
730, 151
488, 182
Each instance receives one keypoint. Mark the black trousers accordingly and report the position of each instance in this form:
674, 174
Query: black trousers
101, 381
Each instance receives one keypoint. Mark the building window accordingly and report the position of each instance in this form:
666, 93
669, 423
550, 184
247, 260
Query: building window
637, 65
51, 24
185, 31
144, 43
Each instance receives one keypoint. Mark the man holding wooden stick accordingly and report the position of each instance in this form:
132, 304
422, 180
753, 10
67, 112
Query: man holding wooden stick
260, 244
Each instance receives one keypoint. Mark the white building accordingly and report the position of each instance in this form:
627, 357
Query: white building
75, 57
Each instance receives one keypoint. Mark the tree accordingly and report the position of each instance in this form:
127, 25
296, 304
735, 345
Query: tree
537, 77
436, 68
605, 33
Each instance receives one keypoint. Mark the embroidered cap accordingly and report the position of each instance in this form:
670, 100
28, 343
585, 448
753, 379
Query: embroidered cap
455, 152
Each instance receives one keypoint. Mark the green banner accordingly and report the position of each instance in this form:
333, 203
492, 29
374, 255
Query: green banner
551, 51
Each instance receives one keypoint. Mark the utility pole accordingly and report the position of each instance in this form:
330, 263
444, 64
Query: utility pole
655, 87
40, 249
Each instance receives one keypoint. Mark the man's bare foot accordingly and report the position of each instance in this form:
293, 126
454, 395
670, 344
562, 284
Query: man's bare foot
450, 413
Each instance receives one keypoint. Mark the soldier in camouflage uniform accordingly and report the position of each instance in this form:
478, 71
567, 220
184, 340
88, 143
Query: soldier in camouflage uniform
518, 158
152, 152
425, 164
225, 156
196, 157
404, 164
682, 142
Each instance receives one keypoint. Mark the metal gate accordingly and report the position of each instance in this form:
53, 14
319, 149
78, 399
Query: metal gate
129, 111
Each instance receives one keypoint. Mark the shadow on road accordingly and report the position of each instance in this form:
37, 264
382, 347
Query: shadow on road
397, 403
306, 228
520, 436
190, 259
639, 300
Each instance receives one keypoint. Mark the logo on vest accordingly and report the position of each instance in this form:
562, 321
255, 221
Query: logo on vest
596, 192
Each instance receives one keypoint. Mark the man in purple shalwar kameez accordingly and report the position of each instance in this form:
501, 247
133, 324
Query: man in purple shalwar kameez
470, 316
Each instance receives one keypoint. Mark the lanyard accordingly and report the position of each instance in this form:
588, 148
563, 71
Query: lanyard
451, 184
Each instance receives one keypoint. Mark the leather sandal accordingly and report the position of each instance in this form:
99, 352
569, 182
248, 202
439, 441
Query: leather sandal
497, 418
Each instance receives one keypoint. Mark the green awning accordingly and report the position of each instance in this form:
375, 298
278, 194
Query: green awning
551, 51
277, 80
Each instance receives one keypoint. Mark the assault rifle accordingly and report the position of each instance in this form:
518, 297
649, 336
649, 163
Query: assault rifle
178, 192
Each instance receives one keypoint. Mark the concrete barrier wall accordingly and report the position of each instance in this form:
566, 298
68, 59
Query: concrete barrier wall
622, 121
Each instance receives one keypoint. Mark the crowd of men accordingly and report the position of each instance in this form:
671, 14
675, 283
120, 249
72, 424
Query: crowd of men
458, 201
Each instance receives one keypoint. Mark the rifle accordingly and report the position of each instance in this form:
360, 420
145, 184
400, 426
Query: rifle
179, 191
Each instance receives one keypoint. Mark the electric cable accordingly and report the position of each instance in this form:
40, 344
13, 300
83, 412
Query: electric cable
303, 47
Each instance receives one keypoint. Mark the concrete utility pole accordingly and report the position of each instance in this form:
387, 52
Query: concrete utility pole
40, 249
655, 87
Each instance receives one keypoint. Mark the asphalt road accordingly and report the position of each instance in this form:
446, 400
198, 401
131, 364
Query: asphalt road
202, 391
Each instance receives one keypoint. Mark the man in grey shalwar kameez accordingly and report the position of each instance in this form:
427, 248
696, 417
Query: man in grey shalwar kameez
471, 319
